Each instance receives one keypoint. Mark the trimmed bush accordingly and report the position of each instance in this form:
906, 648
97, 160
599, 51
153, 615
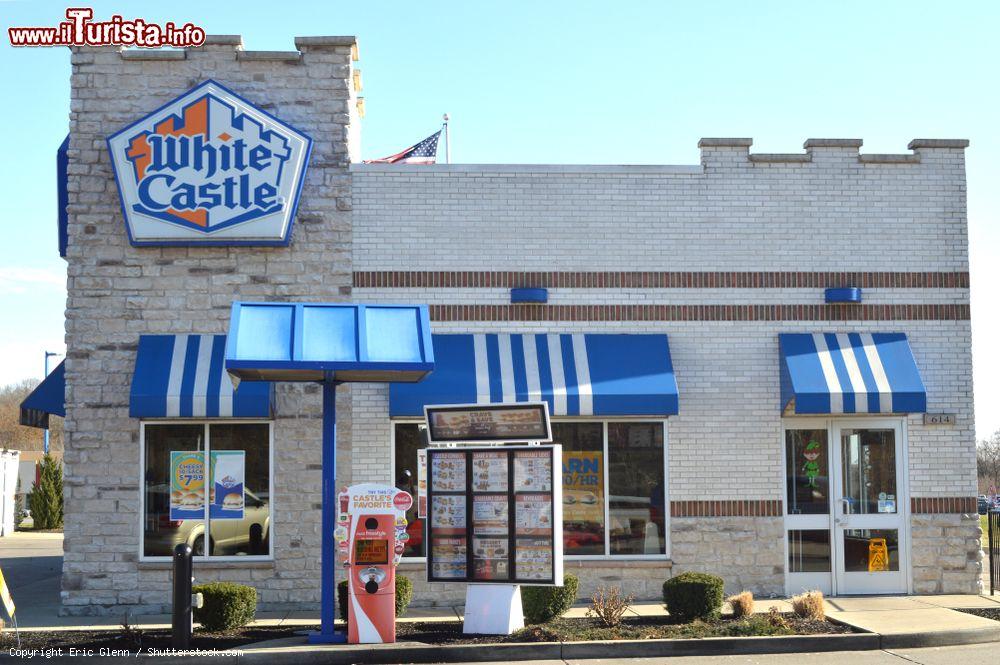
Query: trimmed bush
544, 603
227, 606
404, 594
691, 596
742, 604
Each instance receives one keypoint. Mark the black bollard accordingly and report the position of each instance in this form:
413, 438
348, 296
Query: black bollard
182, 597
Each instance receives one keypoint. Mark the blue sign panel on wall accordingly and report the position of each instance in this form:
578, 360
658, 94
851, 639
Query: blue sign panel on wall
209, 168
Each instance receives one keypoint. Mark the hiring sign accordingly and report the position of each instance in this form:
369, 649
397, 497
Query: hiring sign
495, 515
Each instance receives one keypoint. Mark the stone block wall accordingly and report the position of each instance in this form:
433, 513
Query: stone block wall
947, 553
118, 292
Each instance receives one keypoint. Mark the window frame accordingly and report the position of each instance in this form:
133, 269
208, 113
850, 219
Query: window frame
206, 423
607, 556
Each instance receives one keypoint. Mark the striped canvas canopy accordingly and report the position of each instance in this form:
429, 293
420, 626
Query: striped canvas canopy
184, 376
830, 373
578, 375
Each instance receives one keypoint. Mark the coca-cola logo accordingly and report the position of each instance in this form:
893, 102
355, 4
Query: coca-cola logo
402, 501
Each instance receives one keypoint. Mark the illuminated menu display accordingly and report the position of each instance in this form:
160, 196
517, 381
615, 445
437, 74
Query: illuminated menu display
371, 551
495, 515
489, 423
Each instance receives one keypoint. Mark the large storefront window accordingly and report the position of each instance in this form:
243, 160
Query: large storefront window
613, 490
636, 509
207, 485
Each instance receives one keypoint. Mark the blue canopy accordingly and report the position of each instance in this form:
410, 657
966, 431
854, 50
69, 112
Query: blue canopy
329, 342
578, 375
184, 376
828, 373
48, 398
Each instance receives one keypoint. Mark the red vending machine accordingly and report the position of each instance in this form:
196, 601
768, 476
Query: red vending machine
371, 530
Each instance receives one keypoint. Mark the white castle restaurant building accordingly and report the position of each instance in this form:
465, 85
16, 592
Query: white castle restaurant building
757, 365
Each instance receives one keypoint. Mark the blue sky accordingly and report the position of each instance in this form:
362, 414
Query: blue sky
570, 82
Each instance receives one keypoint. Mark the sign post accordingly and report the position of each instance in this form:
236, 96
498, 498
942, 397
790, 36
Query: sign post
494, 512
330, 344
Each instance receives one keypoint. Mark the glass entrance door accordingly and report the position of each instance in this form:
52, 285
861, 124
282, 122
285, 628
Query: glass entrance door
868, 525
845, 523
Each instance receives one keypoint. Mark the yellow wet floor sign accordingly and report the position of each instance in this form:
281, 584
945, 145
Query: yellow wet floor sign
878, 555
8, 602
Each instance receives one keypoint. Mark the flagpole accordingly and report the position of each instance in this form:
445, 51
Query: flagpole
447, 141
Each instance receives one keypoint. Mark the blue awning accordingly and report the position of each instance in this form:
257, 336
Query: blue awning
827, 373
47, 399
578, 375
184, 376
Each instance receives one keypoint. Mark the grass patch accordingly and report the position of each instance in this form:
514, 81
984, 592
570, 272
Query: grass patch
985, 539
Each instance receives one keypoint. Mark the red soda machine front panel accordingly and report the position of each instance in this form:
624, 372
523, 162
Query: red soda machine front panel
371, 599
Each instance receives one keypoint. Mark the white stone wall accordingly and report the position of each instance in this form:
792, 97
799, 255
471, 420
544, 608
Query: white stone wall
118, 292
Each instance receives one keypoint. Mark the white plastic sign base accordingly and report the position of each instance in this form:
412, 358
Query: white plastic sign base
493, 609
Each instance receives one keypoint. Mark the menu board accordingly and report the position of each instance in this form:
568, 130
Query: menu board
499, 523
533, 514
448, 472
489, 472
494, 423
489, 514
532, 471
450, 558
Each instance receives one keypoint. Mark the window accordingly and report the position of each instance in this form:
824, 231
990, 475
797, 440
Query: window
614, 494
209, 486
636, 483
807, 472
410, 437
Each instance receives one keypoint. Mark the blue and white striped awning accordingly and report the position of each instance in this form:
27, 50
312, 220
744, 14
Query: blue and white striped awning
828, 373
184, 376
578, 375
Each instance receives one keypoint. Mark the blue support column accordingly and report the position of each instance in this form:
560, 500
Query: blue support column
328, 574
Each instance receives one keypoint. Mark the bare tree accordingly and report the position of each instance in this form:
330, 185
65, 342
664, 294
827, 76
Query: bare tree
988, 460
15, 436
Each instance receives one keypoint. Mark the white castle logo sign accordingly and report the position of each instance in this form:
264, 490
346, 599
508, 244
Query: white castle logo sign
209, 168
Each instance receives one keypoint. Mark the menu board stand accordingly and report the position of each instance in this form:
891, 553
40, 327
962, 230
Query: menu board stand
493, 609
494, 523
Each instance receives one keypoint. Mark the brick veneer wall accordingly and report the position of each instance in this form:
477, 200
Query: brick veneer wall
118, 292
722, 257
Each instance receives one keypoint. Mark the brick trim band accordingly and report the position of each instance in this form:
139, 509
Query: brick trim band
660, 280
699, 312
730, 508
943, 504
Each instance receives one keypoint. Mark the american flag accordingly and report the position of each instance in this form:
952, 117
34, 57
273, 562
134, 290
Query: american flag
424, 152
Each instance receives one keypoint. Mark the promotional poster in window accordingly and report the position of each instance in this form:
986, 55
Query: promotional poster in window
226, 496
187, 485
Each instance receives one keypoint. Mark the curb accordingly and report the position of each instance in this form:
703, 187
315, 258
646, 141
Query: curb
477, 653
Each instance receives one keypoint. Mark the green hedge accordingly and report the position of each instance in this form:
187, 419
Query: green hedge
404, 594
227, 605
691, 596
544, 603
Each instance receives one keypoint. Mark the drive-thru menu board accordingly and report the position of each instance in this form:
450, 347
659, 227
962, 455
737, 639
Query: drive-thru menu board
495, 515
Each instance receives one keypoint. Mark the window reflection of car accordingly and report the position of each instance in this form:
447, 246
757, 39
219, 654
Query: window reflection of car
229, 537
